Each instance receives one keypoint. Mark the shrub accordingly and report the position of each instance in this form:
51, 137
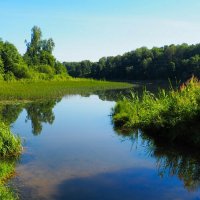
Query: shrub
45, 69
21, 71
9, 76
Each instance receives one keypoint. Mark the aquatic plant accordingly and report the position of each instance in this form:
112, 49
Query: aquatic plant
165, 110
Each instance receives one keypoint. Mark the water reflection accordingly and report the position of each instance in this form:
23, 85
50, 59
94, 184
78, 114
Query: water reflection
10, 113
173, 158
37, 112
79, 156
40, 112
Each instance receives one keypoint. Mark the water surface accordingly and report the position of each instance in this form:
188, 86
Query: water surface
73, 152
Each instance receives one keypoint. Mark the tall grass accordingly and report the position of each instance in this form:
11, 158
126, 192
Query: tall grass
10, 148
31, 90
10, 145
164, 110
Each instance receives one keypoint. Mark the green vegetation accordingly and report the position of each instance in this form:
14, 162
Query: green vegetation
30, 90
7, 194
7, 170
162, 111
10, 145
37, 74
10, 149
38, 63
173, 61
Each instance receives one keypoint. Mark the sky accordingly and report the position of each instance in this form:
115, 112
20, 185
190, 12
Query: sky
91, 29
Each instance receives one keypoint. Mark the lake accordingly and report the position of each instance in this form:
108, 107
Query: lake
71, 151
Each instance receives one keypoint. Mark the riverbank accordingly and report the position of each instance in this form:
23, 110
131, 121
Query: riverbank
10, 149
165, 110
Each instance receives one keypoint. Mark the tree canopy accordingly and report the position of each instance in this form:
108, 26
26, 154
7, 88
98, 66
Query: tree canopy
173, 61
170, 61
38, 61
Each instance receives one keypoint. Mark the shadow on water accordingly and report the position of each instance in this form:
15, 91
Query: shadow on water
176, 152
124, 184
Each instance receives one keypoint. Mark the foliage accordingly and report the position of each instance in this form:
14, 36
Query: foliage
166, 110
6, 193
38, 61
39, 51
10, 145
7, 170
173, 61
12, 64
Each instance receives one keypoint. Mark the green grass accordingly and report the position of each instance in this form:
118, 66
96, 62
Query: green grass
7, 170
31, 90
7, 194
10, 149
10, 145
162, 111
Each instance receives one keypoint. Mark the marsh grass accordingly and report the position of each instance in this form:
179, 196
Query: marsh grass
32, 90
165, 110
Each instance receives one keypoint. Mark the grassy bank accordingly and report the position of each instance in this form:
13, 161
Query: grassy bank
162, 111
7, 170
10, 148
30, 90
10, 145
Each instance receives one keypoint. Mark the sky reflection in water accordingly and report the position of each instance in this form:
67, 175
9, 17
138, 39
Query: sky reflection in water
72, 152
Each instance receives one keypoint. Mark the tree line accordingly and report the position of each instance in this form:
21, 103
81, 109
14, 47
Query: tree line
38, 61
171, 61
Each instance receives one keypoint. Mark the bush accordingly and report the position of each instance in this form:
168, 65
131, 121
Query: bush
9, 76
45, 69
21, 71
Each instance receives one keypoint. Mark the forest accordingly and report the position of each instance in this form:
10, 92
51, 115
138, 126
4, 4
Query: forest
174, 61
177, 62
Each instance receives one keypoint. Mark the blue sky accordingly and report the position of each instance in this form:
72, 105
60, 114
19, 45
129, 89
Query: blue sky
91, 29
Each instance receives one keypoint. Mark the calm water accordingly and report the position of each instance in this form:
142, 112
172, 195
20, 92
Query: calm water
72, 152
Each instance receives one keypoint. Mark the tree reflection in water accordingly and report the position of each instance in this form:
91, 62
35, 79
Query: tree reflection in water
173, 158
40, 112
37, 112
